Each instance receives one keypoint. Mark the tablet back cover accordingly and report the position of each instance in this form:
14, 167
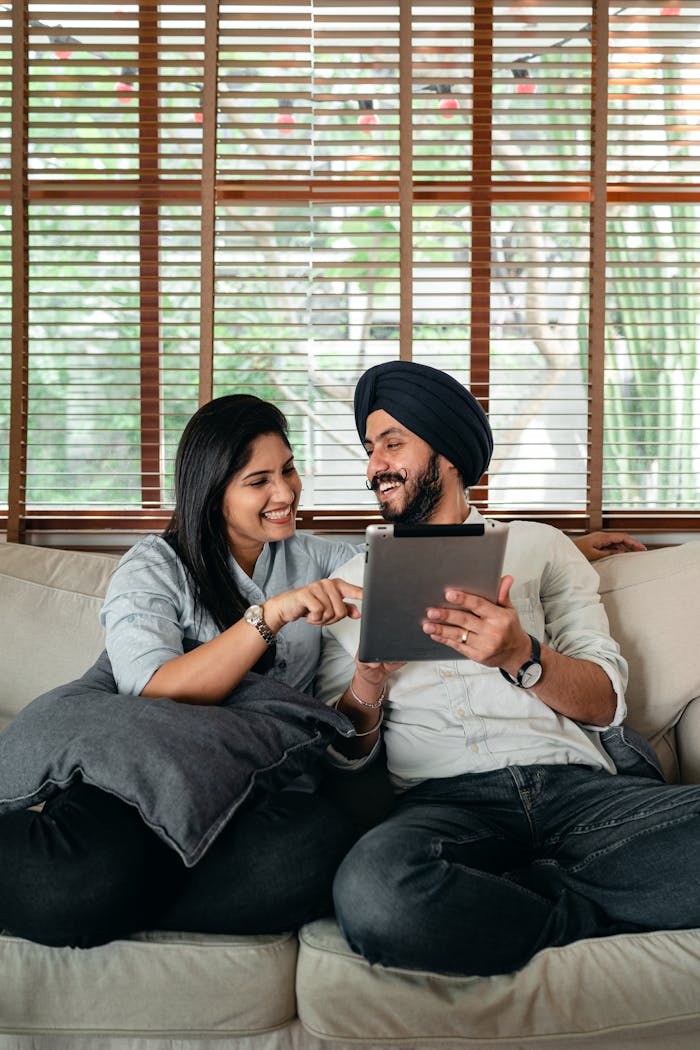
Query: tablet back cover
407, 569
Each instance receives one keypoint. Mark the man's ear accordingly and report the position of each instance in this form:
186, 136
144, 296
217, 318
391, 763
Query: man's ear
449, 471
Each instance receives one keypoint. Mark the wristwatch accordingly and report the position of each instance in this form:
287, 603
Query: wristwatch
531, 671
254, 616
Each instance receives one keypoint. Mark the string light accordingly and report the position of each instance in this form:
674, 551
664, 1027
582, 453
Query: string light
285, 119
59, 39
525, 84
125, 88
367, 119
448, 105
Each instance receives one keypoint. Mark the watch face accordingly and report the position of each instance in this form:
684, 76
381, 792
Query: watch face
253, 613
531, 675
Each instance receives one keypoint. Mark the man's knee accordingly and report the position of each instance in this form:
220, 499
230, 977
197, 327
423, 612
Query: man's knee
372, 900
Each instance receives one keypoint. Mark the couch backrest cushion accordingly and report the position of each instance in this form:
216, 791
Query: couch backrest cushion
653, 604
49, 619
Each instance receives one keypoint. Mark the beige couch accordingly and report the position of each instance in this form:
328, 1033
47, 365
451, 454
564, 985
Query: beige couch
185, 992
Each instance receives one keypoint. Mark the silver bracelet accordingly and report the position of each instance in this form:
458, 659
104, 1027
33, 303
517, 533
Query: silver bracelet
363, 703
375, 727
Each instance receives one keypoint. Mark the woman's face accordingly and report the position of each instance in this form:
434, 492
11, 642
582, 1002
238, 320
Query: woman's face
260, 501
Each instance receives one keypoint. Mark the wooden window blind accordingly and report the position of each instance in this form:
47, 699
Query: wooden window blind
270, 197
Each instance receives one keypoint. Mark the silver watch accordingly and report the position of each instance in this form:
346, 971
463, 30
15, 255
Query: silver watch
254, 616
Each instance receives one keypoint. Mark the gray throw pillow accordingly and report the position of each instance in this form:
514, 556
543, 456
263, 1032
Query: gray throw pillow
186, 767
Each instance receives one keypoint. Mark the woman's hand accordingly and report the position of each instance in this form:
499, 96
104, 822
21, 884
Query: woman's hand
368, 680
595, 545
320, 603
362, 703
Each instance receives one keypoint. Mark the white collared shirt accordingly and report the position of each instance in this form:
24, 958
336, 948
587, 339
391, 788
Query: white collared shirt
449, 717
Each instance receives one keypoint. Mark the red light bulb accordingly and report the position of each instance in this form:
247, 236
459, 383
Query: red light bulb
448, 107
63, 54
125, 91
285, 123
670, 11
525, 87
367, 120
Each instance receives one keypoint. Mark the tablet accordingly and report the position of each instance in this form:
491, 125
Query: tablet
407, 570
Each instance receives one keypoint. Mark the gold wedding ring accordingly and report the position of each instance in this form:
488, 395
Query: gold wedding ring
464, 637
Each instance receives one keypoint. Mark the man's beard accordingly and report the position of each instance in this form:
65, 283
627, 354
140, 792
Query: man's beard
422, 497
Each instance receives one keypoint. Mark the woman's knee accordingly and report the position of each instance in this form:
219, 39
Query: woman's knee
84, 871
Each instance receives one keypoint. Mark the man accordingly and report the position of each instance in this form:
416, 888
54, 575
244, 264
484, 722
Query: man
512, 829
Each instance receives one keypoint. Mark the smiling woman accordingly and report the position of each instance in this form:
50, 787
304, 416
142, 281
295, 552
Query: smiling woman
231, 545
260, 501
228, 588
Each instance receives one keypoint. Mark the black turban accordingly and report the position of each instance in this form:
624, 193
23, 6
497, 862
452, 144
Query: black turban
433, 405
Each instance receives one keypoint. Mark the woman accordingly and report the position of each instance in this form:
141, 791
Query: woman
227, 589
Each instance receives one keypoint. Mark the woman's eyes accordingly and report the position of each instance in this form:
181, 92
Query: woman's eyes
264, 481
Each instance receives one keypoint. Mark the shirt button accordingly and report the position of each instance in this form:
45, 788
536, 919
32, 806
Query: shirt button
447, 674
475, 748
460, 713
282, 665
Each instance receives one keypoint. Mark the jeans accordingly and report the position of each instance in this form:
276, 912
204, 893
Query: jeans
474, 874
87, 870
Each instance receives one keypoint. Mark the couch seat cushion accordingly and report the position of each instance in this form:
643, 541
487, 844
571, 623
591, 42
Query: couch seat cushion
155, 984
592, 986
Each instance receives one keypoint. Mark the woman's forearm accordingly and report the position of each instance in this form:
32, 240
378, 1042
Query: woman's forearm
210, 672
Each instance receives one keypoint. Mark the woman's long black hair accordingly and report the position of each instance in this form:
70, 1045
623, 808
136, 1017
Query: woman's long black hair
215, 445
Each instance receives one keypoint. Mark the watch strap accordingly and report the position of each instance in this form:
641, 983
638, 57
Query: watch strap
259, 624
535, 654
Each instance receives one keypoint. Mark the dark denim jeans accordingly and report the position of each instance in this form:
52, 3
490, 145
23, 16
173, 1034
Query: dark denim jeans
87, 870
475, 874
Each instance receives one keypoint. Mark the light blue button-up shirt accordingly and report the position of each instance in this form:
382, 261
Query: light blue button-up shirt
149, 611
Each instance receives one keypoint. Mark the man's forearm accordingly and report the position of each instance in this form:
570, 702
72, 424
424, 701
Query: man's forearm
578, 689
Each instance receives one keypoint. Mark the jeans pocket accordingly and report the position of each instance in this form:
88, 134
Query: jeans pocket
631, 753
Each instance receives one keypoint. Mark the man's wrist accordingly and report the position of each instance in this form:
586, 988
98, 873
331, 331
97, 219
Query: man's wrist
519, 657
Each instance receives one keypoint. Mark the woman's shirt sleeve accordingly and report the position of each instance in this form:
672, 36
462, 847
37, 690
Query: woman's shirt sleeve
146, 613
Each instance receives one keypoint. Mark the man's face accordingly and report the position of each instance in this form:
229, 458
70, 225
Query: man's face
405, 474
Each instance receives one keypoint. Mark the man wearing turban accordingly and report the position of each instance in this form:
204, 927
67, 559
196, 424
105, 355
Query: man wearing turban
513, 827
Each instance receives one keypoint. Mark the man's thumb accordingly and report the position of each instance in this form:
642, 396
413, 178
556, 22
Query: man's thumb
504, 592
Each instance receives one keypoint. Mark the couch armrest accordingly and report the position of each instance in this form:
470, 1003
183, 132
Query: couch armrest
688, 742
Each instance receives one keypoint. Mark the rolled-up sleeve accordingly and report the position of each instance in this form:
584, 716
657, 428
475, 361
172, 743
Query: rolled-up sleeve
143, 614
576, 623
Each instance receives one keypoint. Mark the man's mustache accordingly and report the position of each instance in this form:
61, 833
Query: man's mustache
386, 476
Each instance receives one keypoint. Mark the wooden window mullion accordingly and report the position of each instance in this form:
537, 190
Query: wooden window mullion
149, 224
598, 221
19, 381
208, 206
406, 192
481, 209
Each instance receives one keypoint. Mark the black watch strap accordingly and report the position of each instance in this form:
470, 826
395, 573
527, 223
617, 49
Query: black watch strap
524, 680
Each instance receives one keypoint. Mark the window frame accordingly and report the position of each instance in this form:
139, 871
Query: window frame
480, 193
